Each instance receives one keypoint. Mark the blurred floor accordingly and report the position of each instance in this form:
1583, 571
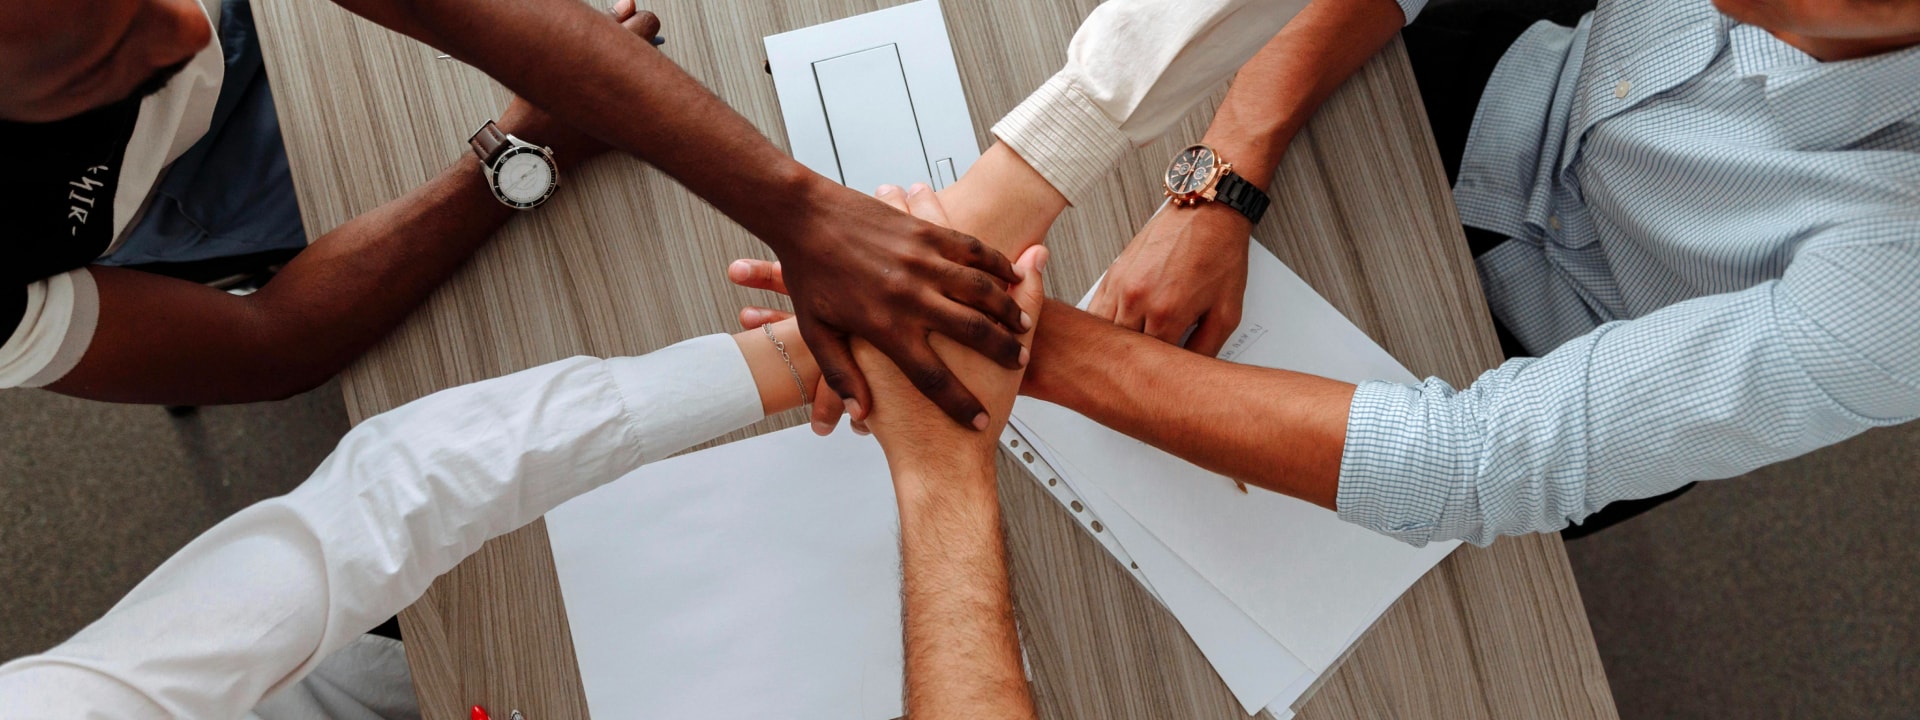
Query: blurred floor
94, 496
1792, 592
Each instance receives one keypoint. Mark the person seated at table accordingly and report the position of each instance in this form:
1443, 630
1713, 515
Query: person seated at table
146, 133
1719, 258
263, 615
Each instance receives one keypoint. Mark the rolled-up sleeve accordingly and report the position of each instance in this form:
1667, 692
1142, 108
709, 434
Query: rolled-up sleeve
54, 327
1133, 69
259, 600
1704, 389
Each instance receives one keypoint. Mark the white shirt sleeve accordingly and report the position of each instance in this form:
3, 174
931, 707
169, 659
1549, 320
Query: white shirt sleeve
259, 600
1133, 69
62, 312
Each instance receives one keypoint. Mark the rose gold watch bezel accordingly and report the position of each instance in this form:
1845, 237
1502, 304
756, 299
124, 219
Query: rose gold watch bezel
1206, 192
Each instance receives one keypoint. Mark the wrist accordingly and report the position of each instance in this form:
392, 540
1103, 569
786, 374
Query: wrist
1225, 227
928, 482
774, 373
795, 199
1255, 156
1058, 349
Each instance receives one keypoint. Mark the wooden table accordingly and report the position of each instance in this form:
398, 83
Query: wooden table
625, 261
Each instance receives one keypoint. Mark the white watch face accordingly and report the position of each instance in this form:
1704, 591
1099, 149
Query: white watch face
523, 177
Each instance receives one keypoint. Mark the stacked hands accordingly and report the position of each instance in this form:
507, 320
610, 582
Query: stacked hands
897, 279
902, 414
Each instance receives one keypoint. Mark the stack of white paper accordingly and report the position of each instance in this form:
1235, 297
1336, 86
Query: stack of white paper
756, 579
1273, 590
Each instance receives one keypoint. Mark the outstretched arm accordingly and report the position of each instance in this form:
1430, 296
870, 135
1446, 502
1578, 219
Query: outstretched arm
259, 600
856, 267
962, 648
168, 341
1280, 430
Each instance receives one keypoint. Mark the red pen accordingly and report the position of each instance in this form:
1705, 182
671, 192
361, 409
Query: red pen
479, 713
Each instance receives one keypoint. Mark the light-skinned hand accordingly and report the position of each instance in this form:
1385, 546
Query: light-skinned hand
1188, 266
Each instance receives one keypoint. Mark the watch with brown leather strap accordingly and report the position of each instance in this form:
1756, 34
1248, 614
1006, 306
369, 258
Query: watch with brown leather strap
1198, 174
521, 174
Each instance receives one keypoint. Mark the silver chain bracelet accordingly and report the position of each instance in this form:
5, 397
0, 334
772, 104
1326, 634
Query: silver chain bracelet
782, 347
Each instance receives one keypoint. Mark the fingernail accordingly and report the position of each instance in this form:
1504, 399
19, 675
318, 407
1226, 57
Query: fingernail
1026, 323
917, 188
858, 430
853, 408
980, 421
887, 190
1024, 354
822, 429
1040, 264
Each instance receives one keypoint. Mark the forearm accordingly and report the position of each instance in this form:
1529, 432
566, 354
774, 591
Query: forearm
356, 283
1002, 201
575, 63
963, 649
1278, 91
161, 340
1280, 430
264, 596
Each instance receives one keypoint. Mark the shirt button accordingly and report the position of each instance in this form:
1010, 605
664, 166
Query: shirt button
1554, 220
1621, 90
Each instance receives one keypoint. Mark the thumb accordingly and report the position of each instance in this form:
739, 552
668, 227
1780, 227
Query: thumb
1031, 292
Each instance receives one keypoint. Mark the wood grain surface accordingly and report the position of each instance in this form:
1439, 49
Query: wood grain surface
624, 261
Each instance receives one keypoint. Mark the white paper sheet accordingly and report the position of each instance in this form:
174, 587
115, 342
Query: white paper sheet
1310, 580
875, 99
752, 580
1254, 666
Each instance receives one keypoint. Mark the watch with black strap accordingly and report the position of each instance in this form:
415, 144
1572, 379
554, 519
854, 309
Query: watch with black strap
1198, 174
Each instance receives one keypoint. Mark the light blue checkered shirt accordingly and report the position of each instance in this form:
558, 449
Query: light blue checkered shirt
1716, 242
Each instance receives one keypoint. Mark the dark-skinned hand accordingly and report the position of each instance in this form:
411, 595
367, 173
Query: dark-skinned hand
894, 280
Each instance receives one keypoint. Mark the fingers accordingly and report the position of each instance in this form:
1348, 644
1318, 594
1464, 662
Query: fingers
827, 409
1129, 316
969, 251
893, 196
968, 327
646, 25
931, 377
1105, 301
964, 283
1169, 327
924, 204
635, 20
839, 372
752, 317
1031, 293
1215, 330
978, 291
757, 274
